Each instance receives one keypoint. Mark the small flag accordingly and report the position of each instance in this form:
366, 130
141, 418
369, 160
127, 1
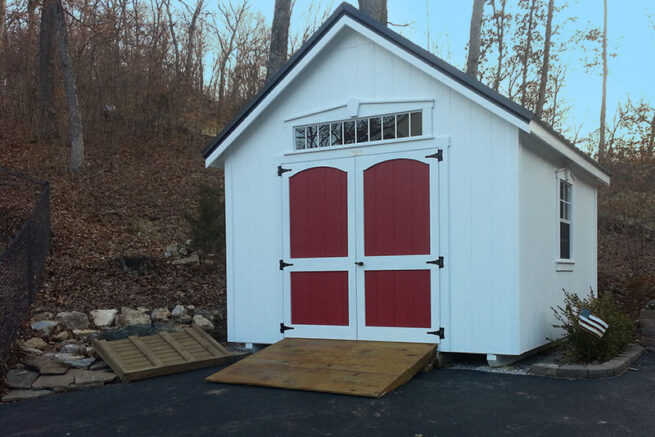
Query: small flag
592, 323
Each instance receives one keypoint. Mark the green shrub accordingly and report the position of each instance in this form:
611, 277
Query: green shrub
208, 223
583, 346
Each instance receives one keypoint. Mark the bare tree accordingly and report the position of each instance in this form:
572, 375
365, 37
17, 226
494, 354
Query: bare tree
47, 127
279, 37
474, 38
75, 115
527, 52
603, 103
3, 14
191, 37
375, 8
501, 21
171, 28
546, 63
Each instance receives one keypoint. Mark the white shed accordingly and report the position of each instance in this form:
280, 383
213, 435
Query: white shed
375, 192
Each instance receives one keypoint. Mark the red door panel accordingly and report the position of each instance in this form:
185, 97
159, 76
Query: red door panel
397, 208
319, 298
318, 207
398, 298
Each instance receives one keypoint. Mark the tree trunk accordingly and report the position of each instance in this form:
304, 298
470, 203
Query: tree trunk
500, 24
603, 103
474, 39
171, 29
77, 137
526, 55
375, 8
3, 14
279, 37
47, 127
191, 40
544, 68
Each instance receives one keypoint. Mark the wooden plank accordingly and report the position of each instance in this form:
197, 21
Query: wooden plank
362, 368
104, 349
177, 346
144, 349
210, 339
200, 336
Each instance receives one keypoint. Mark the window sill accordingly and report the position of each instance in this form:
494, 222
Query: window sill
564, 265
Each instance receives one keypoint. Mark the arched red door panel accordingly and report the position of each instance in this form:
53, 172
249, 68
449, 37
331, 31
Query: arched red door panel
318, 207
397, 208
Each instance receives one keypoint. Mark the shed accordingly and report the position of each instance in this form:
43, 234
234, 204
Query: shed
375, 192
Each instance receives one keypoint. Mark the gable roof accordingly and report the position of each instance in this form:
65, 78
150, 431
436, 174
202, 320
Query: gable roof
347, 10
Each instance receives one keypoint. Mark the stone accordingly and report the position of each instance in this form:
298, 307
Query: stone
20, 378
17, 395
125, 332
190, 307
573, 371
62, 336
211, 315
47, 366
191, 259
77, 361
85, 334
32, 351
143, 309
648, 327
184, 251
167, 326
130, 317
647, 341
103, 318
42, 316
168, 254
35, 343
99, 365
86, 377
53, 381
73, 349
44, 327
160, 314
544, 369
203, 323
73, 320
600, 370
172, 248
179, 311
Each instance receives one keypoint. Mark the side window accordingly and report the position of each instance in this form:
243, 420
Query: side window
564, 220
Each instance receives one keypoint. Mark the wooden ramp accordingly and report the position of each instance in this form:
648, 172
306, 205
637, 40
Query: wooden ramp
360, 368
136, 358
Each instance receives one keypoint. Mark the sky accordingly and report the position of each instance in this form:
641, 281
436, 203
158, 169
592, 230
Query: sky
631, 35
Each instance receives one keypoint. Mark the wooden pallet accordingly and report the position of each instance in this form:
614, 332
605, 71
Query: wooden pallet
136, 358
361, 368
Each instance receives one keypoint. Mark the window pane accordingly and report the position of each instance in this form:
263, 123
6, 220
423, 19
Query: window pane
300, 138
389, 127
324, 135
348, 132
402, 123
417, 123
376, 128
337, 136
564, 240
561, 209
362, 131
312, 137
561, 189
567, 192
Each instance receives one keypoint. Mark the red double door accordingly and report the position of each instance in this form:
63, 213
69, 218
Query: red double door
361, 237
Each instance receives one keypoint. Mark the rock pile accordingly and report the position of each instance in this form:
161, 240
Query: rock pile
647, 324
182, 253
60, 357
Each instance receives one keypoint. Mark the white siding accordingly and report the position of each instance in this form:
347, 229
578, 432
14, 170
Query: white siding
541, 283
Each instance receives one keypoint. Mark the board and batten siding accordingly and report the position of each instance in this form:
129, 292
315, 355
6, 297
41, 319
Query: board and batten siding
542, 279
479, 191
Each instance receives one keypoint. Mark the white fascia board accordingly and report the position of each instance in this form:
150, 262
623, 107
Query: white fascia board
391, 47
438, 75
566, 151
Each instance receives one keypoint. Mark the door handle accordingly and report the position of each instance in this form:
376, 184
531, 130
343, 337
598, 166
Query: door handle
359, 263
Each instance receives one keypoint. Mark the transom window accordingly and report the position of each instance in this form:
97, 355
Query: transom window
564, 220
359, 130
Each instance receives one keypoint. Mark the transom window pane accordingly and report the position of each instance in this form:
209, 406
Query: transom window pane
337, 134
349, 132
388, 127
564, 220
361, 130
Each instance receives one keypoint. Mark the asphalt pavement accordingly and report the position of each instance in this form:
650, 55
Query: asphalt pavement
443, 402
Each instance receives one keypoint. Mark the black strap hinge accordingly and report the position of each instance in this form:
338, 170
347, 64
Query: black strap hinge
281, 170
284, 327
437, 262
438, 155
439, 333
283, 265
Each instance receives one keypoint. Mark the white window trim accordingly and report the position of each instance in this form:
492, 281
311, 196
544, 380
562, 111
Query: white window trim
564, 264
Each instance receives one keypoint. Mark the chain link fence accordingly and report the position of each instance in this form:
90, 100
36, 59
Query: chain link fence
24, 245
